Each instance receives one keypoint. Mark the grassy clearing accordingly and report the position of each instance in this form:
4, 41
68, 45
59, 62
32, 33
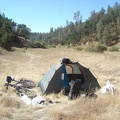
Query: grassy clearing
32, 63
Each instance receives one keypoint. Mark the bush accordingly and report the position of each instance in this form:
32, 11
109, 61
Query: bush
113, 49
100, 48
79, 48
39, 45
91, 47
96, 47
6, 41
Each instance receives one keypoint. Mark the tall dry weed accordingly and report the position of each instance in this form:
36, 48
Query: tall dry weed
54, 113
5, 113
10, 102
88, 109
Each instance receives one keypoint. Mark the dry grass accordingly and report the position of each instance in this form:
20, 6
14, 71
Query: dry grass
32, 63
5, 113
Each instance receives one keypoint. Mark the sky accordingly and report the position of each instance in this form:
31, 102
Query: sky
41, 15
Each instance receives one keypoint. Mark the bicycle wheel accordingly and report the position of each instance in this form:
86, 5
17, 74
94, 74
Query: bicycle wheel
27, 83
29, 93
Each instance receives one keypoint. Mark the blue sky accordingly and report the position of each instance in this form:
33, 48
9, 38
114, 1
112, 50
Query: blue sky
41, 15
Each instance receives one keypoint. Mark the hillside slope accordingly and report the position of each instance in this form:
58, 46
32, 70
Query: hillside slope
22, 42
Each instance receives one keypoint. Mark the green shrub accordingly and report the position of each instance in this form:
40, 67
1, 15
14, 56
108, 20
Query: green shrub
79, 48
39, 45
100, 48
90, 48
113, 49
6, 41
96, 47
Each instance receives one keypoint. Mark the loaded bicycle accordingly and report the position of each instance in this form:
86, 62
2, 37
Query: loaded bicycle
21, 86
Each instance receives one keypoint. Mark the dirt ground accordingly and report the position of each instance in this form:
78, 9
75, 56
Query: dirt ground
32, 63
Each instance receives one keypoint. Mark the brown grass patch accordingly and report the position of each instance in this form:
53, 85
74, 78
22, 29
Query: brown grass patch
10, 102
85, 109
5, 113
55, 113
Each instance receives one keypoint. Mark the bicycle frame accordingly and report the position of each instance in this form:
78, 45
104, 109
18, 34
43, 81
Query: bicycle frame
19, 87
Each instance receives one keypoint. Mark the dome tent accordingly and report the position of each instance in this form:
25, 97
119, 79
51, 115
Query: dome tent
58, 77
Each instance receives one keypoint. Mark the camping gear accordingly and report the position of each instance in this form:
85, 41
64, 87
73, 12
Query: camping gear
22, 86
108, 88
9, 79
59, 76
75, 87
38, 101
25, 98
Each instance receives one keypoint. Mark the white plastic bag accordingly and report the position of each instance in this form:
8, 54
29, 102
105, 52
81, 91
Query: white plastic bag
108, 88
38, 102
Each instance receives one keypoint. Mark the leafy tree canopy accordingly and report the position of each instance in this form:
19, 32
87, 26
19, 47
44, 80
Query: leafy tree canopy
9, 30
102, 26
